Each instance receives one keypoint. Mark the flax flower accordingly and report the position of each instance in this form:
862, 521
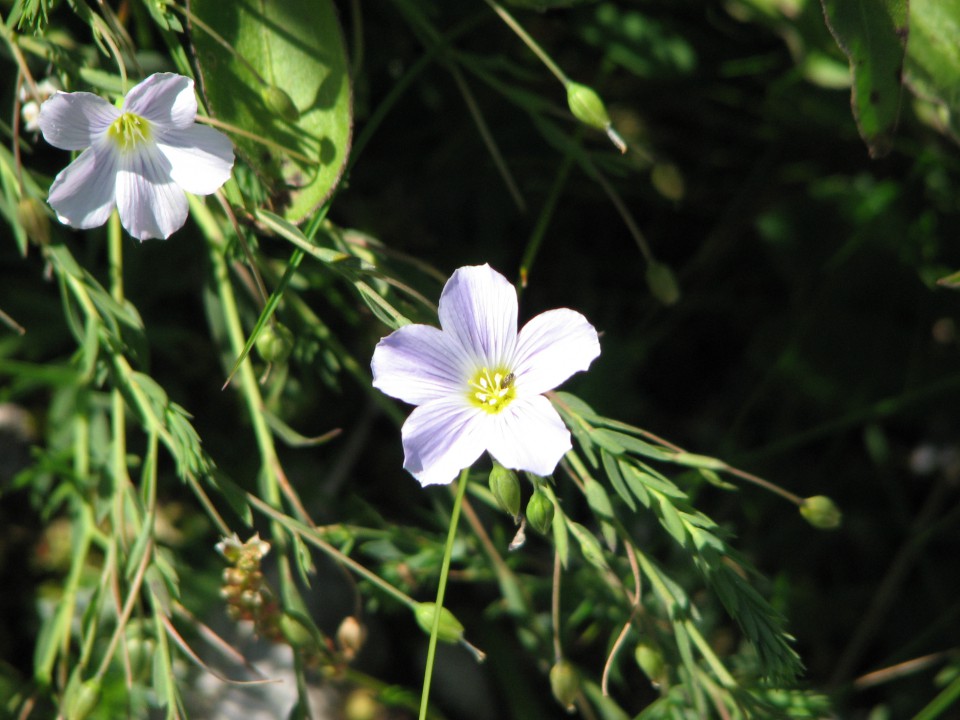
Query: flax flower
478, 384
140, 158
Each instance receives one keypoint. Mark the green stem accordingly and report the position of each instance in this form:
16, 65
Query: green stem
530, 42
441, 590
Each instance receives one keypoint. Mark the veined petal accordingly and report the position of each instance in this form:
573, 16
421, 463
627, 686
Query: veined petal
200, 157
443, 437
83, 194
529, 435
552, 347
417, 364
151, 205
478, 306
74, 121
166, 99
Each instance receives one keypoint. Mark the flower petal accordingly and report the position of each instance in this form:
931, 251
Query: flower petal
529, 435
83, 194
552, 347
443, 437
151, 205
201, 158
478, 306
166, 99
417, 364
74, 121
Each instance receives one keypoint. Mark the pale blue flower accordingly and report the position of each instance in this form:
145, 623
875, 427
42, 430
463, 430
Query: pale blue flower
139, 158
478, 384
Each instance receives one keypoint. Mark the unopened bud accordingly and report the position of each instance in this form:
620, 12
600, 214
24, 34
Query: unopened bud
651, 662
350, 637
506, 489
84, 701
540, 512
34, 220
821, 512
280, 102
450, 630
662, 283
586, 106
274, 343
361, 705
565, 684
296, 632
668, 181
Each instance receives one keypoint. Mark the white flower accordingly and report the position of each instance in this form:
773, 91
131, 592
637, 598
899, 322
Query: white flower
139, 158
30, 110
478, 383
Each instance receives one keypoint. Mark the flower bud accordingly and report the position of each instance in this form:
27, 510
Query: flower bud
350, 637
506, 489
280, 102
651, 662
84, 701
586, 106
274, 343
296, 632
540, 512
821, 512
361, 705
662, 283
451, 629
668, 181
34, 220
565, 684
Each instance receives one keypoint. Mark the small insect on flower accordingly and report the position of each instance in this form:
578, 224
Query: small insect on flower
478, 383
140, 158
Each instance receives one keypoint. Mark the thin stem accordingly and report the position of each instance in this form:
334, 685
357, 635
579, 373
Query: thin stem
546, 215
441, 590
555, 607
529, 41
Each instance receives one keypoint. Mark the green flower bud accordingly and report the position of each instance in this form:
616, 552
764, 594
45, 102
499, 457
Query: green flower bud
651, 662
451, 629
668, 181
506, 489
297, 632
34, 220
280, 102
540, 512
274, 343
662, 283
84, 701
565, 684
586, 106
821, 512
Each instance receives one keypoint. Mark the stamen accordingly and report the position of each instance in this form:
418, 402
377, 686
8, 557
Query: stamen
129, 130
492, 390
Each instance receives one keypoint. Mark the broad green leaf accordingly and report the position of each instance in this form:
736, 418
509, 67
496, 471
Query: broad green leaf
873, 35
293, 46
932, 68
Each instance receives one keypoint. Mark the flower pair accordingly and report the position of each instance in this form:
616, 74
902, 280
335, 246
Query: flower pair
478, 383
139, 158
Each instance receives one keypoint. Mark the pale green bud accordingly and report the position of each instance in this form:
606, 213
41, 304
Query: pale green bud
586, 106
821, 512
540, 512
274, 343
84, 701
565, 684
280, 102
662, 283
506, 489
34, 220
350, 636
651, 662
296, 632
450, 630
668, 181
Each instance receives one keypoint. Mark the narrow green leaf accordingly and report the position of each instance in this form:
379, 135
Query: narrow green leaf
612, 468
597, 497
589, 545
873, 35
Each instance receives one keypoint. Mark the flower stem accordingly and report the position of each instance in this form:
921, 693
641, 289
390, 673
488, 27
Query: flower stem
529, 41
441, 590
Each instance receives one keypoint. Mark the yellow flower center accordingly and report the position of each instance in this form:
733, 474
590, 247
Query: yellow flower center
492, 390
129, 130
